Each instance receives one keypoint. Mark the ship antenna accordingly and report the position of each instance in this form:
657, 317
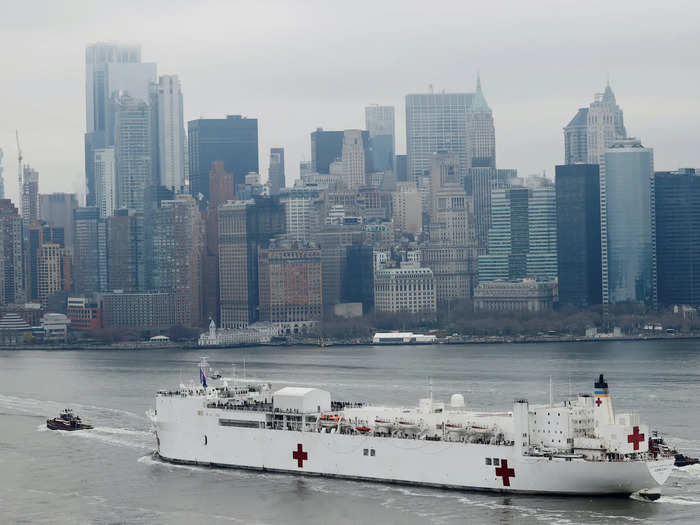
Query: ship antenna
430, 391
550, 391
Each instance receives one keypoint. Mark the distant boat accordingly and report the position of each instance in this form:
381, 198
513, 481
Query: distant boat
67, 420
403, 338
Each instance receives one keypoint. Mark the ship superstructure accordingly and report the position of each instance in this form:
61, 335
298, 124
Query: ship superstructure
577, 446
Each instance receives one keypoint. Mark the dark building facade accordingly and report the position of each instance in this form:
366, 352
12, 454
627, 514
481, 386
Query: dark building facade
90, 247
401, 168
578, 234
326, 147
677, 206
358, 277
233, 140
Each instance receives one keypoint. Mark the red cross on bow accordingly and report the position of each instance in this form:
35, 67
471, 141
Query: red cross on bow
635, 437
300, 455
598, 402
504, 472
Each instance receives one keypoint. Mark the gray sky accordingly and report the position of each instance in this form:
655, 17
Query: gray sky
297, 65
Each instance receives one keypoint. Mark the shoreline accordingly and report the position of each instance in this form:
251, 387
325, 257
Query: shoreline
448, 341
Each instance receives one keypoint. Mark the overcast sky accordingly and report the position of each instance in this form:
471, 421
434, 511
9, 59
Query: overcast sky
298, 65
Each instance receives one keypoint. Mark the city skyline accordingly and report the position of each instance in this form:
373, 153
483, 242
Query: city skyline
662, 113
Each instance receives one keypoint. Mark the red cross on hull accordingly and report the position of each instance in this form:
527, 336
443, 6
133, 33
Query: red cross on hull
300, 455
598, 402
505, 473
635, 437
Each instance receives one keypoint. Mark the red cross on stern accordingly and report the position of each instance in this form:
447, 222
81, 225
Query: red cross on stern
301, 456
504, 472
635, 437
598, 402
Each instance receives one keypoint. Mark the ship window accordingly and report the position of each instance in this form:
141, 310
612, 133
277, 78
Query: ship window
497, 462
371, 452
365, 452
488, 461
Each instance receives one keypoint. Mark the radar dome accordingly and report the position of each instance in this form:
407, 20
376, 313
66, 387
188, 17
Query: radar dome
457, 401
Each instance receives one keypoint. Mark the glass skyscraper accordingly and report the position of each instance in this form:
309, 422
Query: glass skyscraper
627, 223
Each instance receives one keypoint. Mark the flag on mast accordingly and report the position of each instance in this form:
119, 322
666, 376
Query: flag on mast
202, 377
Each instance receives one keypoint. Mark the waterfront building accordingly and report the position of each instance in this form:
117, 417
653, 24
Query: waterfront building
290, 285
436, 122
677, 214
404, 290
407, 208
12, 285
244, 227
526, 295
90, 250
170, 133
232, 140
627, 223
83, 314
452, 267
142, 310
358, 276
275, 172
576, 138
30, 195
254, 334
379, 121
578, 234
56, 209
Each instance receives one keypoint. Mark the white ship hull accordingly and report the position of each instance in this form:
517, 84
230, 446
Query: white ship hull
190, 433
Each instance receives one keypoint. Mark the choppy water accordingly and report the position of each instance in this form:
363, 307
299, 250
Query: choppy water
108, 475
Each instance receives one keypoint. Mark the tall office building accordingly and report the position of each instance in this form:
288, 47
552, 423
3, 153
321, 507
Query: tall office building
37, 236
436, 122
578, 234
2, 179
480, 132
483, 181
171, 133
244, 227
30, 195
90, 250
51, 258
379, 121
541, 259
233, 140
354, 159
627, 223
126, 257
593, 129
326, 148
358, 276
56, 209
105, 181
401, 168
407, 208
677, 212
576, 138
178, 244
12, 289
275, 174
133, 152
126, 73
302, 212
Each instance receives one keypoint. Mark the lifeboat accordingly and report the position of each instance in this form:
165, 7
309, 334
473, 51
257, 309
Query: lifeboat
362, 429
409, 426
329, 420
455, 428
383, 425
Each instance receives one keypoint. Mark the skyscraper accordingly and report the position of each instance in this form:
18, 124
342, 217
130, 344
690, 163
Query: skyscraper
326, 148
2, 180
90, 250
126, 258
576, 138
354, 159
171, 133
12, 289
605, 124
677, 212
132, 146
435, 122
233, 140
480, 132
105, 181
56, 209
483, 181
30, 195
379, 121
276, 171
407, 208
627, 223
578, 234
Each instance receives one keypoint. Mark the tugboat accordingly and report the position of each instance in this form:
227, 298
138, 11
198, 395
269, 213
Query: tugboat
67, 420
657, 444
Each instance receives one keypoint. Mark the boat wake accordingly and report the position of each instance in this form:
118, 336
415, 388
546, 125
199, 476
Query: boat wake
121, 437
38, 407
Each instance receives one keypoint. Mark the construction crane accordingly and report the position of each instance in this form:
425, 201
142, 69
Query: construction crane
19, 164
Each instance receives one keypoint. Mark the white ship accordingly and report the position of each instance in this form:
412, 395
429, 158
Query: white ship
576, 447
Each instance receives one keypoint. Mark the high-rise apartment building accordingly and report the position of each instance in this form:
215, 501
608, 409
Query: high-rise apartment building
12, 289
56, 209
132, 150
50, 271
90, 250
677, 213
30, 195
407, 208
105, 181
244, 227
232, 140
436, 122
627, 223
302, 212
576, 138
275, 174
170, 133
126, 257
290, 285
379, 121
578, 234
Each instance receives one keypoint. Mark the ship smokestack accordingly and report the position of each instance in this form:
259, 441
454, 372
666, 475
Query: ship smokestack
602, 403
